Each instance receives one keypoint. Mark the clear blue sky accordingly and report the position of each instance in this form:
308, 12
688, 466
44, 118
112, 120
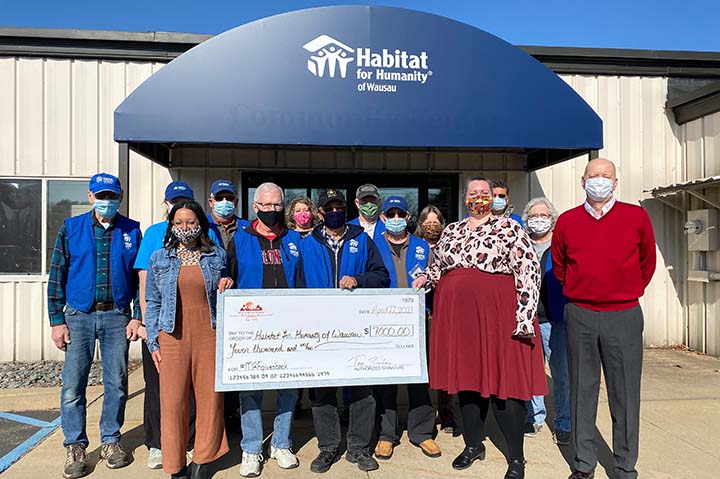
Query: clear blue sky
647, 24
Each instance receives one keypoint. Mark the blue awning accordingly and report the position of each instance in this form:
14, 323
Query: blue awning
359, 76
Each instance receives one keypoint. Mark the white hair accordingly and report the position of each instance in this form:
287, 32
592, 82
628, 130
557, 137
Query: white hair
269, 187
539, 201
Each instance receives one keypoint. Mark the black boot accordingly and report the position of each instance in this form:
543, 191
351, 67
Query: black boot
198, 471
181, 474
516, 469
468, 456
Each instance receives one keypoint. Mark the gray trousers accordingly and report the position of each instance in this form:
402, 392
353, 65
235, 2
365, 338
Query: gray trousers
613, 340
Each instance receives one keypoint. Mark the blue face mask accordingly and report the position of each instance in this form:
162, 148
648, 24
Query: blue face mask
224, 209
334, 220
396, 225
107, 208
498, 204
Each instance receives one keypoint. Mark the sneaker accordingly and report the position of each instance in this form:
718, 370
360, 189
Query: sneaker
365, 462
154, 458
532, 430
324, 460
561, 438
250, 465
284, 457
114, 455
75, 465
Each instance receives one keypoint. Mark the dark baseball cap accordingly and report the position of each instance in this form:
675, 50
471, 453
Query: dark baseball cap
222, 185
367, 190
178, 189
329, 195
394, 202
104, 182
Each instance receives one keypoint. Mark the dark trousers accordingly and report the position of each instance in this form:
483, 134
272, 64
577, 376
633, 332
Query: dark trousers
614, 341
151, 406
509, 415
327, 421
421, 414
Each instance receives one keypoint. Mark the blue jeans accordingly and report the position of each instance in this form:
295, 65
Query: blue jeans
108, 327
554, 345
251, 420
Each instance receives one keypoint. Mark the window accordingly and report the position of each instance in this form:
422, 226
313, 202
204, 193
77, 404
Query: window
31, 212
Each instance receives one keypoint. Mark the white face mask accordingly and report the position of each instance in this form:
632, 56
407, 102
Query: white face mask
539, 225
599, 188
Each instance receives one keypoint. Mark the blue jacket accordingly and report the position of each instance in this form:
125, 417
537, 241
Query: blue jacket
80, 287
518, 219
248, 255
551, 291
161, 286
417, 255
241, 224
379, 229
358, 257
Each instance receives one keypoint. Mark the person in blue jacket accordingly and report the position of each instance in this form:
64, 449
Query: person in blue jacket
340, 255
223, 202
404, 254
368, 202
501, 201
540, 216
266, 255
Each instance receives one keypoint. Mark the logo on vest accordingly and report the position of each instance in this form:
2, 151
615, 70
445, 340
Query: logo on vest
127, 241
419, 253
377, 71
293, 249
353, 246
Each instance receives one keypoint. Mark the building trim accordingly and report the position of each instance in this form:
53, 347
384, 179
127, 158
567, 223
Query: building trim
696, 104
165, 46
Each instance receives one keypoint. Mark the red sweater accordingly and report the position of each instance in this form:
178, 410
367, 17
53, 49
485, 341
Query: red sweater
605, 264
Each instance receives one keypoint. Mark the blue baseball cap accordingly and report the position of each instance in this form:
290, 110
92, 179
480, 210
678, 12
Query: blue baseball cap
222, 185
394, 202
178, 189
104, 182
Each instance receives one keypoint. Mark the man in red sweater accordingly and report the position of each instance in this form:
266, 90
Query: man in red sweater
603, 253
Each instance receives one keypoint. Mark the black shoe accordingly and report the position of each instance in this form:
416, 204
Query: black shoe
324, 460
516, 469
198, 471
75, 462
114, 455
582, 475
181, 474
364, 461
561, 438
468, 456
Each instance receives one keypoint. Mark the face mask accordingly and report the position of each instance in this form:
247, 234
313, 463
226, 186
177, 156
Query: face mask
224, 209
107, 208
479, 205
369, 211
498, 204
188, 235
431, 232
303, 218
396, 225
270, 218
599, 188
334, 220
539, 226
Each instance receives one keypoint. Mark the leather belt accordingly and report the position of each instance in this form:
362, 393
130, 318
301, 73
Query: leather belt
103, 306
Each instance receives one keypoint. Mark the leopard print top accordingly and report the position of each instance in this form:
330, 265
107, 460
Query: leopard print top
499, 246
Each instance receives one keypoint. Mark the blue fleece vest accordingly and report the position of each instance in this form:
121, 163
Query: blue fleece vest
417, 254
379, 229
249, 259
80, 288
241, 224
317, 260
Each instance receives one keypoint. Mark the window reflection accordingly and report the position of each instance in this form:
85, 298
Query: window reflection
20, 226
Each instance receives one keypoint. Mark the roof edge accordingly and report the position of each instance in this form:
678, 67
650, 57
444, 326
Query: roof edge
696, 104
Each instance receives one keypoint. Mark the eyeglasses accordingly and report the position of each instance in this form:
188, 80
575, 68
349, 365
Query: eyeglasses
269, 206
499, 195
396, 214
230, 198
546, 216
107, 195
330, 209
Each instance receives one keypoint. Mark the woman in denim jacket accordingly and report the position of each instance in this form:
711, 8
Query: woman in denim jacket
181, 289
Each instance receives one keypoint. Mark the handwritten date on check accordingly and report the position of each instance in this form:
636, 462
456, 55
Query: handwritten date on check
279, 339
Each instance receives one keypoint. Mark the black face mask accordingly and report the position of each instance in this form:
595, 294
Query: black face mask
334, 220
271, 218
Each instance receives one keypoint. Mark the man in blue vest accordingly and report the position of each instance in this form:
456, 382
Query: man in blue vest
266, 255
367, 200
340, 255
403, 255
223, 201
91, 287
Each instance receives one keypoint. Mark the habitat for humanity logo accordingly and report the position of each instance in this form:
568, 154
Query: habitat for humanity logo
330, 57
251, 311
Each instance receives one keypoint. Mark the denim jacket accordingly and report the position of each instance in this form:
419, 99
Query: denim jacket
161, 286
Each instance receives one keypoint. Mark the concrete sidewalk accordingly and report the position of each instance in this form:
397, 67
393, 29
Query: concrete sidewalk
679, 436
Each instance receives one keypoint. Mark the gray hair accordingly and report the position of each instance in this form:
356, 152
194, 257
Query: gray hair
269, 187
539, 201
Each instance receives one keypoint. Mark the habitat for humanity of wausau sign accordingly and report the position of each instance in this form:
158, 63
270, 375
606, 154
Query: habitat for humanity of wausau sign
358, 75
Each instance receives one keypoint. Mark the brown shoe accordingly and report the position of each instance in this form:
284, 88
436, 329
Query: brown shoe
430, 448
384, 449
582, 475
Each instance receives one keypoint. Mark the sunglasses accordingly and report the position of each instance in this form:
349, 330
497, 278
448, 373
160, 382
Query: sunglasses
330, 209
396, 214
107, 195
231, 198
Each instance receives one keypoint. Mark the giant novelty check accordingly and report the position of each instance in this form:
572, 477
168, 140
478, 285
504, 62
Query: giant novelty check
278, 339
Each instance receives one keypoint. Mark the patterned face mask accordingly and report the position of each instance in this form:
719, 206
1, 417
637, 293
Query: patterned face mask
479, 205
187, 236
